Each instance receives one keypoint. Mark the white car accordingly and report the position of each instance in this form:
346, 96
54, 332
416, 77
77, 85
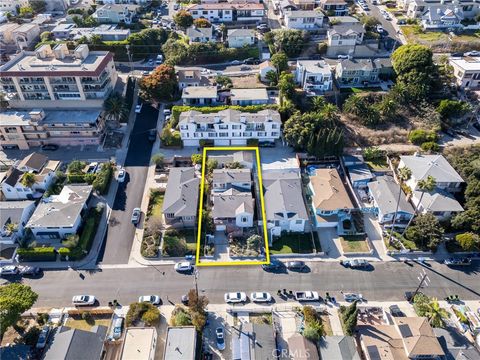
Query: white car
121, 175
342, 57
261, 297
83, 300
220, 338
152, 299
8, 270
235, 297
138, 108
167, 112
380, 29
183, 266
351, 297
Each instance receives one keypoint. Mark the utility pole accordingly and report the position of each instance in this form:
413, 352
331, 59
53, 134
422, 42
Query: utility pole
129, 57
424, 280
195, 278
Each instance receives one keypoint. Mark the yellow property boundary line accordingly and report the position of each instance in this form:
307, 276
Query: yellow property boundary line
262, 205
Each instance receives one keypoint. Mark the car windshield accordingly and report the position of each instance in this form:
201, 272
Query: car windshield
237, 295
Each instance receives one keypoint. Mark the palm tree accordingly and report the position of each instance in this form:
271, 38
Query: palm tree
424, 186
28, 179
115, 109
403, 175
436, 315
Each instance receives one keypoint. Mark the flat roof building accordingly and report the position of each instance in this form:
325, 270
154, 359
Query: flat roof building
139, 344
181, 343
52, 78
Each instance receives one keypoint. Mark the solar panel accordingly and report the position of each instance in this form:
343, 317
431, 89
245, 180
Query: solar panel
373, 353
405, 331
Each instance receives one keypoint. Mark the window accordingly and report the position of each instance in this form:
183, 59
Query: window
298, 222
236, 127
244, 219
223, 134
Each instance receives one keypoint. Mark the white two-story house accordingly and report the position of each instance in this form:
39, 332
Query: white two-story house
14, 187
238, 38
229, 127
200, 35
313, 75
466, 71
303, 19
228, 12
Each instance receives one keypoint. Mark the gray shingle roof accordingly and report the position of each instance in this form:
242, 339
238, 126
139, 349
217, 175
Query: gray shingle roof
385, 192
241, 33
181, 194
338, 347
62, 210
232, 202
194, 32
438, 200
455, 345
228, 176
283, 192
434, 165
75, 344
12, 211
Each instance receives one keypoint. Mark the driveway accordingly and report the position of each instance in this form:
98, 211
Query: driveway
215, 320
120, 233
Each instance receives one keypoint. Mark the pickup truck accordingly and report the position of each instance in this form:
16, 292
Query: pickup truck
306, 296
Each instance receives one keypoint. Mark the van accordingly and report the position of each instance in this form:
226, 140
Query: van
117, 327
159, 59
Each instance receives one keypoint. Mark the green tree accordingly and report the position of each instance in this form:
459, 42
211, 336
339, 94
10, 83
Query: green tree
28, 179
115, 109
202, 23
151, 316
197, 158
199, 320
15, 299
286, 85
468, 241
25, 11
314, 331
349, 318
254, 241
158, 159
403, 175
369, 22
452, 108
46, 36
436, 315
414, 67
197, 303
291, 42
161, 85
224, 81
272, 77
76, 167
426, 231
426, 185
420, 304
38, 6
183, 19
181, 318
280, 61
175, 51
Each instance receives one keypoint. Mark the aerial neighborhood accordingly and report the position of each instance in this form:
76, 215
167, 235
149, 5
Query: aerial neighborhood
240, 179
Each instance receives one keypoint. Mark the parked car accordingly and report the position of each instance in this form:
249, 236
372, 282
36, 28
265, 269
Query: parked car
184, 299
150, 62
167, 112
235, 297
159, 59
136, 214
43, 337
409, 295
266, 144
307, 296
260, 297
117, 328
183, 266
472, 53
351, 297
29, 270
236, 62
152, 135
273, 266
152, 299
251, 61
296, 265
379, 29
138, 108
342, 57
355, 263
458, 262
49, 147
83, 300
176, 7
121, 175
219, 332
8, 270
145, 73
395, 311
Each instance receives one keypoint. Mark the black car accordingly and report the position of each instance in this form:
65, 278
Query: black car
152, 135
251, 61
395, 311
409, 295
51, 147
274, 265
266, 144
296, 265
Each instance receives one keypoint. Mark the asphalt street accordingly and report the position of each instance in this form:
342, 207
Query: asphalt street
387, 282
120, 233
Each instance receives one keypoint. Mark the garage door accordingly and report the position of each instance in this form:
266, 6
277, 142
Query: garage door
239, 142
222, 142
221, 227
191, 143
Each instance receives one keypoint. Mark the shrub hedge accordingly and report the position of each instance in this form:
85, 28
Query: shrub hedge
37, 254
103, 177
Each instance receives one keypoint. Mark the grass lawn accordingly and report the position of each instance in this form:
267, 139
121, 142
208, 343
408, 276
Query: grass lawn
354, 244
292, 243
83, 325
378, 164
155, 204
360, 90
262, 319
190, 239
179, 243
414, 33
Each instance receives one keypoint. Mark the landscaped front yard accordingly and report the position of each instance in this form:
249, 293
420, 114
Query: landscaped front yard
439, 39
289, 243
354, 243
153, 225
76, 322
179, 242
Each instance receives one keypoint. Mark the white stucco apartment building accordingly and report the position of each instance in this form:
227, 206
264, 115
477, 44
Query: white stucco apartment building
229, 127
